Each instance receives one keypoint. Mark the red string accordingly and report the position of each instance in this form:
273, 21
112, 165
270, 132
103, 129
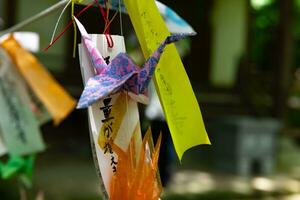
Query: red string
101, 10
107, 28
68, 26
109, 39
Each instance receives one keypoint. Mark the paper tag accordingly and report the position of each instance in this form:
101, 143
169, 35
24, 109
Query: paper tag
123, 111
176, 95
28, 40
18, 124
38, 108
3, 149
31, 42
57, 101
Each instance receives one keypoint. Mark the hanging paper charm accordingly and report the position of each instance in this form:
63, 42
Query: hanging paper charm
121, 74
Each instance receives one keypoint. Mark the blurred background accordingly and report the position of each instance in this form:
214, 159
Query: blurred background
244, 66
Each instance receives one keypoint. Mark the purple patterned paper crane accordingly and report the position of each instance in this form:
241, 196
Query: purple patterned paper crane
121, 74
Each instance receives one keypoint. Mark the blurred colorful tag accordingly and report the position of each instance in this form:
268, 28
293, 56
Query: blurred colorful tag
112, 119
28, 40
38, 108
3, 149
19, 127
31, 42
3, 68
12, 167
57, 101
17, 165
178, 100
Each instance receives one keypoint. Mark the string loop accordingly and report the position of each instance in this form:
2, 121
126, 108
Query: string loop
105, 15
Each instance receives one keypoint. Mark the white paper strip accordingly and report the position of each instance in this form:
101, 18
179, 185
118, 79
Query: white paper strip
130, 121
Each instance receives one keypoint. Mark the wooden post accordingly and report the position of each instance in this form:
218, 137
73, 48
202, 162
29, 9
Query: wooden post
10, 12
284, 56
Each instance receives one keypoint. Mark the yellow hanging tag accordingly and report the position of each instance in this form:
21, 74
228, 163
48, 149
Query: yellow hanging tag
178, 100
56, 100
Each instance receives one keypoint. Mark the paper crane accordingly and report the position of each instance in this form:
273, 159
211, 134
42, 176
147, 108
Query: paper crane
121, 74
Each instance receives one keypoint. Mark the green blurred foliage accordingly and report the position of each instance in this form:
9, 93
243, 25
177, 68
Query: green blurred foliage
263, 30
297, 34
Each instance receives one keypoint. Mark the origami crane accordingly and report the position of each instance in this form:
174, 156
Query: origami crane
120, 74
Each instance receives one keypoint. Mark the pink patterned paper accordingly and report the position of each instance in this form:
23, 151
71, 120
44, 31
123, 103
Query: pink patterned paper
120, 74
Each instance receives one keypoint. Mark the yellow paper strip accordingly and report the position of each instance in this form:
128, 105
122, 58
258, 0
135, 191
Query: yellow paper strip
57, 101
118, 111
178, 100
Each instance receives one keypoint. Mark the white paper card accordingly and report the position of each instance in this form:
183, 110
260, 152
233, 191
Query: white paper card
130, 120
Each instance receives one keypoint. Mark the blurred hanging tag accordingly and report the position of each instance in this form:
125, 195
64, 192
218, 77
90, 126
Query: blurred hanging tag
112, 119
57, 101
31, 42
19, 127
28, 40
38, 108
176, 95
3, 149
